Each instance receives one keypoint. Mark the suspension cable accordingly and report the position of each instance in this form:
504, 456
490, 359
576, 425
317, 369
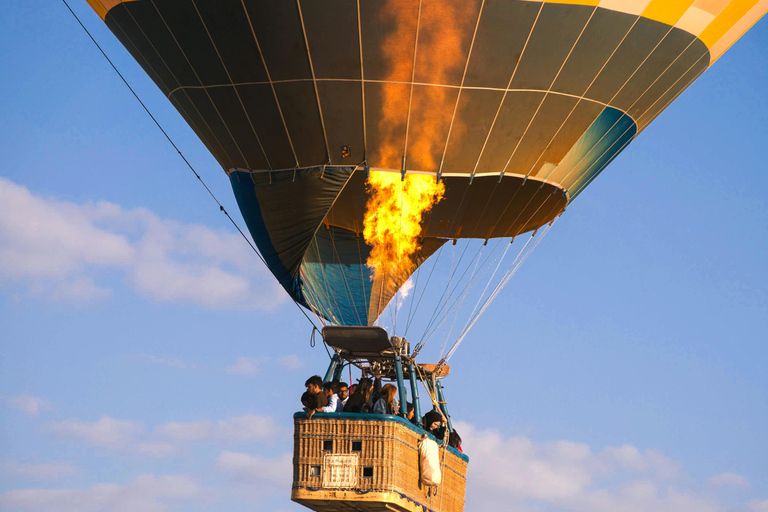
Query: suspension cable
491, 297
210, 192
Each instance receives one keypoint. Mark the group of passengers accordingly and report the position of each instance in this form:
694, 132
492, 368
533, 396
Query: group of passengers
334, 396
368, 396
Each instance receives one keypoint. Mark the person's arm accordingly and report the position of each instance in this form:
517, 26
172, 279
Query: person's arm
320, 403
333, 400
380, 407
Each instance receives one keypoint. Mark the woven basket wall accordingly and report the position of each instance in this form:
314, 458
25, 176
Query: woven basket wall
388, 457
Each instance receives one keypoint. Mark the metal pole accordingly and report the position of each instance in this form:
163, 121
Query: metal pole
443, 405
414, 392
338, 371
401, 386
331, 368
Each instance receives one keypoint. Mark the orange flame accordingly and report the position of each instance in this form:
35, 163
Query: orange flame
424, 111
393, 219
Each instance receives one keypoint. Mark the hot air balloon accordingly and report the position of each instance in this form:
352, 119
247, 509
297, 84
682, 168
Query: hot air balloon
484, 119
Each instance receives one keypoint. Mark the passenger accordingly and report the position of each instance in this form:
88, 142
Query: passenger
352, 389
433, 423
386, 403
455, 440
307, 400
314, 398
358, 402
375, 392
329, 390
343, 393
411, 411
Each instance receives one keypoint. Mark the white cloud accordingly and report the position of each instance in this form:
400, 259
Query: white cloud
58, 250
105, 433
249, 427
253, 468
127, 436
155, 449
252, 365
403, 293
291, 362
244, 366
42, 471
632, 459
758, 506
29, 404
147, 493
174, 363
186, 432
518, 473
728, 480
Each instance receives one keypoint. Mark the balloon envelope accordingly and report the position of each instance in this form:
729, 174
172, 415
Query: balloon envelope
515, 105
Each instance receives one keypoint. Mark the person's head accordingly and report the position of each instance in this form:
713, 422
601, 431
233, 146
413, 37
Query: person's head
307, 399
454, 439
432, 421
331, 388
343, 390
352, 389
388, 393
364, 388
314, 384
409, 415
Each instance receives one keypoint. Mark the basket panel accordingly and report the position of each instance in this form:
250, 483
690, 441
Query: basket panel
388, 465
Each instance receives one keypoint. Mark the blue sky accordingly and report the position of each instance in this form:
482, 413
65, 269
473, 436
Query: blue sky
148, 361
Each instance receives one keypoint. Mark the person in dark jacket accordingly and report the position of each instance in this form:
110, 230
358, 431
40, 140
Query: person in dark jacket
361, 397
455, 440
433, 423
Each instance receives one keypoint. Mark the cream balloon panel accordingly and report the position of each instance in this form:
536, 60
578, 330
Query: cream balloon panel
718, 23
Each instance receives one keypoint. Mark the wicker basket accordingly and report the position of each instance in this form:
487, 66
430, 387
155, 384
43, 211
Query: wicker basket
369, 462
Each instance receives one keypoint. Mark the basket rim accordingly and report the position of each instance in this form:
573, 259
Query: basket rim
362, 416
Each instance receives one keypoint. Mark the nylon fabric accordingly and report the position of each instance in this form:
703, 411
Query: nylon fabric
283, 210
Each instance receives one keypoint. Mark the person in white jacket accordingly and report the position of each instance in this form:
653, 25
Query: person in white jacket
330, 389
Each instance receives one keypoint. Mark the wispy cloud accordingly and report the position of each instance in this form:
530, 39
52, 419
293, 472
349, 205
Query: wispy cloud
291, 362
42, 471
245, 366
728, 480
403, 293
147, 493
249, 427
758, 506
252, 365
134, 437
163, 361
30, 405
518, 473
248, 468
58, 250
105, 433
